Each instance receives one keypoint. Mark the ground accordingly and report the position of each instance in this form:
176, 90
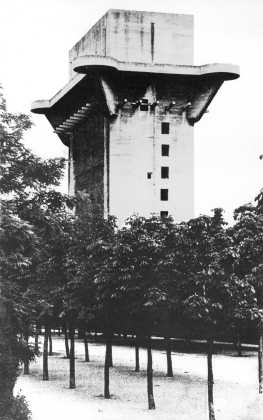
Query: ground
183, 397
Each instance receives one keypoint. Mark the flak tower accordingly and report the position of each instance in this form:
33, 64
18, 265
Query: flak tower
128, 111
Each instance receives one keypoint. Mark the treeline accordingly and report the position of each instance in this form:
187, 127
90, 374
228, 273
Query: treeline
64, 266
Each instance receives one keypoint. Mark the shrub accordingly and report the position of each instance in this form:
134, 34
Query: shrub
18, 409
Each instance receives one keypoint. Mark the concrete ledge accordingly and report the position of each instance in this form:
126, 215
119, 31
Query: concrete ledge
42, 106
87, 63
91, 63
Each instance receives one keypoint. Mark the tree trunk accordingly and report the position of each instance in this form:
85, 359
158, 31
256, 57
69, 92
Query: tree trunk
8, 355
151, 403
36, 340
86, 346
238, 345
260, 355
72, 383
50, 344
110, 353
107, 370
169, 358
137, 357
65, 330
45, 355
26, 361
210, 380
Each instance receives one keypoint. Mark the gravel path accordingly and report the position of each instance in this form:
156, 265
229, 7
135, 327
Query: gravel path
183, 397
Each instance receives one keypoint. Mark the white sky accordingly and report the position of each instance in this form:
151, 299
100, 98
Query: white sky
35, 36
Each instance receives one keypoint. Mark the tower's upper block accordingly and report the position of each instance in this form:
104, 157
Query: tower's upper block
139, 37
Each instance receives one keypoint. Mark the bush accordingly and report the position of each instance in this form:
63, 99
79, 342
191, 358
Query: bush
18, 409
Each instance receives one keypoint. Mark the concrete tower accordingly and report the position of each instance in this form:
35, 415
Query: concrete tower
128, 110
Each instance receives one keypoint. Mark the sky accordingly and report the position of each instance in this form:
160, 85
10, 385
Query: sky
36, 35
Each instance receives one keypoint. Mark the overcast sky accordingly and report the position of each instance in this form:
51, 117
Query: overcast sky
35, 36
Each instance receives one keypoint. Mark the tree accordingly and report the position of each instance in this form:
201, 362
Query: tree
136, 288
17, 240
247, 235
216, 297
26, 186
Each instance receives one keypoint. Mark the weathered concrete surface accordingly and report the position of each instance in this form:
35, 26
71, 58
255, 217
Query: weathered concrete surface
135, 150
143, 37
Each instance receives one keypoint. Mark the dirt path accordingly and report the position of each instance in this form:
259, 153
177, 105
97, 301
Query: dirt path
183, 397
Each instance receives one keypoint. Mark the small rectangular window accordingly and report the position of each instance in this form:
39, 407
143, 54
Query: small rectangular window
165, 127
165, 149
163, 214
164, 194
149, 175
164, 172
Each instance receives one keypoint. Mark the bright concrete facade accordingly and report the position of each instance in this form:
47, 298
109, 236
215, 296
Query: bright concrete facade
128, 111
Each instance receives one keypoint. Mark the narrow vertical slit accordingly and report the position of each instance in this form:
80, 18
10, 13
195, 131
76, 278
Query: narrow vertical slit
152, 41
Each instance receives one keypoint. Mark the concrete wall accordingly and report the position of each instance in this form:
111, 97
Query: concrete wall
88, 153
148, 37
135, 150
144, 37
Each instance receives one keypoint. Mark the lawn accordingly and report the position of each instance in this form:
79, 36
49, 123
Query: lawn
183, 397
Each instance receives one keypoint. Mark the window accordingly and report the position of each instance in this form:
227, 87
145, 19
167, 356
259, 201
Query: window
164, 194
163, 214
165, 149
165, 128
149, 175
164, 172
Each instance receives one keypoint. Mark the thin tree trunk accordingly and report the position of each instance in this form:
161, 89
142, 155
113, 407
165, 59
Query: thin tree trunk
107, 370
72, 383
210, 380
151, 403
169, 358
50, 344
26, 361
65, 330
45, 355
137, 356
260, 355
238, 345
86, 346
110, 353
36, 340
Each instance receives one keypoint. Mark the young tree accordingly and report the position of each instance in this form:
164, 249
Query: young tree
217, 297
135, 282
247, 234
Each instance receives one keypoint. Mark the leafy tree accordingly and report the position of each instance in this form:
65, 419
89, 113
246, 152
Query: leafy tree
136, 285
26, 187
216, 296
248, 239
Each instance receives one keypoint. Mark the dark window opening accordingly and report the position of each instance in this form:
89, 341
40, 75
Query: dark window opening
165, 128
163, 214
164, 172
164, 194
149, 175
165, 149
